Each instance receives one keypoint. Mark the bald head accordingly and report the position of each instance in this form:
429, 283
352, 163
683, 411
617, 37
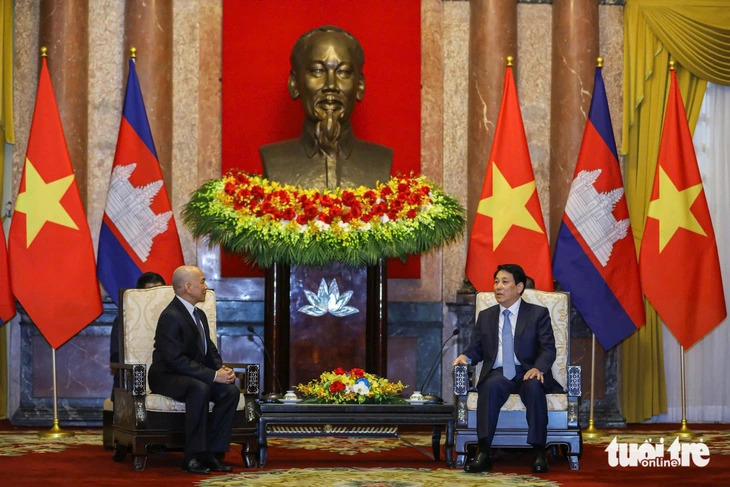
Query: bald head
188, 282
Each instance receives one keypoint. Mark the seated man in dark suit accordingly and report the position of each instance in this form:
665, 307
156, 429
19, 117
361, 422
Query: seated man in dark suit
516, 342
187, 367
146, 280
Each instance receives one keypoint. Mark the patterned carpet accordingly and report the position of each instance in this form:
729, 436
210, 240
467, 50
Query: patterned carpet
27, 460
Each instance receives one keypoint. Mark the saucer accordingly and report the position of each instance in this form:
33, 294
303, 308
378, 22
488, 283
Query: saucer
290, 401
416, 403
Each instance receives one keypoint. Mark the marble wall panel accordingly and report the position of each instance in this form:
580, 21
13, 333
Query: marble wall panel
455, 96
108, 59
611, 48
532, 78
185, 92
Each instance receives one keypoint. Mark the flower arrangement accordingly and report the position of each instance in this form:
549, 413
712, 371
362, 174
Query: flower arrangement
351, 387
270, 222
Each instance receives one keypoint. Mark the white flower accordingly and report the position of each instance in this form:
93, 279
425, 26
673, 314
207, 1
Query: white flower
344, 226
384, 219
322, 225
361, 388
365, 227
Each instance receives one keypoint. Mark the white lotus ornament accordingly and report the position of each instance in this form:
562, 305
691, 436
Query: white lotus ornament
328, 300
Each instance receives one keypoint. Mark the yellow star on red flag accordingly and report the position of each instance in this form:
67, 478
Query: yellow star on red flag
41, 202
507, 207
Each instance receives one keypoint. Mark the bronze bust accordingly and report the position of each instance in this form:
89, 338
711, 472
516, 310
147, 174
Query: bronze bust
326, 73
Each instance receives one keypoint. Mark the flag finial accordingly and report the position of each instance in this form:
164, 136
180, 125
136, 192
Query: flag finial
510, 61
44, 51
133, 52
599, 62
672, 65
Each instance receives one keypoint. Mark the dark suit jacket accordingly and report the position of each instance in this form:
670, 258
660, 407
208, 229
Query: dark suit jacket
534, 341
178, 347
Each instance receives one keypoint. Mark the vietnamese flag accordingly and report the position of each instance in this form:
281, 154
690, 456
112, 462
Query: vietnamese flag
51, 256
7, 303
679, 265
509, 227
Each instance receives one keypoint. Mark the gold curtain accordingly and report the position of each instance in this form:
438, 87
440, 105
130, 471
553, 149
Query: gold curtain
696, 33
7, 134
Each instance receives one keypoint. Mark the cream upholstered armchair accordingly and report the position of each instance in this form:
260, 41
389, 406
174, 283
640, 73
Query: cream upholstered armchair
142, 420
511, 431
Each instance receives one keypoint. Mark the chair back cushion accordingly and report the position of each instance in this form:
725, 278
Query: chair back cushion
141, 309
558, 304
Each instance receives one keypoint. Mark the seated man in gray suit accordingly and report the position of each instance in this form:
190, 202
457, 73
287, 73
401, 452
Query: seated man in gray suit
516, 342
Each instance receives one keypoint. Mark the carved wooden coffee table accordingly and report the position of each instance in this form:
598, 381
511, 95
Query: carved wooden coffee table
354, 420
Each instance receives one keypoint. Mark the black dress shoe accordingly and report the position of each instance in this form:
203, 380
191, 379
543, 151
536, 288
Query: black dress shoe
481, 463
194, 466
540, 464
216, 465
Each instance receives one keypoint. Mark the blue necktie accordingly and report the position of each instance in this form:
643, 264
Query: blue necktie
508, 348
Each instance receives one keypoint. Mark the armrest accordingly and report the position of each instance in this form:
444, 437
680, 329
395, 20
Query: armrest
249, 377
133, 377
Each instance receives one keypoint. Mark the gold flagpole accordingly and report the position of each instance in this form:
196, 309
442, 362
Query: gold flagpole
592, 431
684, 431
55, 431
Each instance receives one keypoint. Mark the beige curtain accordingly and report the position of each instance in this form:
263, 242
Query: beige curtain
7, 133
695, 33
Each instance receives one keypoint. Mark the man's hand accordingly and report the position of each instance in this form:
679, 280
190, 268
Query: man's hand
225, 375
460, 360
533, 372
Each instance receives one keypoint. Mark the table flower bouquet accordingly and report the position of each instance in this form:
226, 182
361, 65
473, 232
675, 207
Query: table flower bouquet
270, 222
353, 386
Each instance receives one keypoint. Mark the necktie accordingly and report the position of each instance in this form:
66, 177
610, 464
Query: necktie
508, 348
200, 329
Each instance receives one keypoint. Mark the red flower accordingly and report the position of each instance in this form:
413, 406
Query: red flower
385, 191
347, 217
289, 213
339, 371
335, 211
425, 190
380, 209
357, 373
348, 198
230, 188
411, 214
415, 198
267, 207
242, 178
402, 187
396, 205
302, 219
326, 200
393, 214
355, 211
258, 191
366, 217
324, 217
370, 196
336, 387
311, 211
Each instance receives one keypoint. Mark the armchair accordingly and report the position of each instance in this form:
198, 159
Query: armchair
511, 431
142, 419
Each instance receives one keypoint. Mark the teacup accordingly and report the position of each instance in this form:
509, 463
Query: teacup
290, 396
416, 396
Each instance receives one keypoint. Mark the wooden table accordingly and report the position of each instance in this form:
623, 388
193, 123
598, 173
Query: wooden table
355, 420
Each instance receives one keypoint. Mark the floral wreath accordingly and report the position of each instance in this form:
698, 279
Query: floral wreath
269, 222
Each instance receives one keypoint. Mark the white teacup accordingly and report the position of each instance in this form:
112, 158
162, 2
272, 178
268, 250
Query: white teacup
416, 396
290, 396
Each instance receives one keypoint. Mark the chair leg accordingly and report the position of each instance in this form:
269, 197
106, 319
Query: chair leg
120, 451
139, 462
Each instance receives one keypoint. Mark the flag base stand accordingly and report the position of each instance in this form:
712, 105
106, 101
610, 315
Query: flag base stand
592, 431
684, 432
56, 432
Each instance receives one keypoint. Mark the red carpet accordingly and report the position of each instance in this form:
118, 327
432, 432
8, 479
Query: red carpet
27, 460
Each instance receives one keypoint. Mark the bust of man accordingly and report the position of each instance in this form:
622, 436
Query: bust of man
326, 73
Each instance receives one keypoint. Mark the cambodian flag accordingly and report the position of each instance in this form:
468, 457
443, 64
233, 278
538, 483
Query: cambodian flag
595, 257
138, 232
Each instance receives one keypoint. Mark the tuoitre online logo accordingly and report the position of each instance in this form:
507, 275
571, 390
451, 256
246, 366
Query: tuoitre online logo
650, 454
